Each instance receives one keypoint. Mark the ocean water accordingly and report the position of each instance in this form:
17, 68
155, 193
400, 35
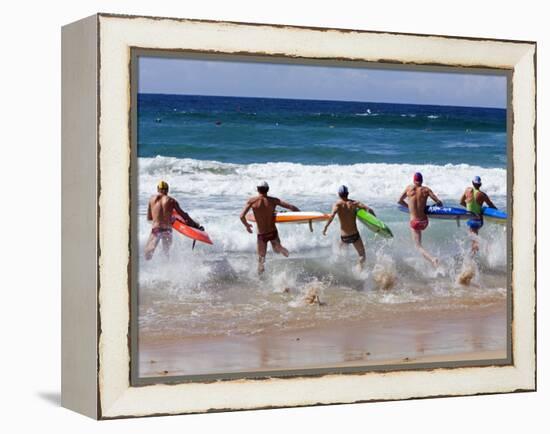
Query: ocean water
214, 150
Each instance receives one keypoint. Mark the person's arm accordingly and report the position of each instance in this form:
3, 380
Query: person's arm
488, 201
186, 217
149, 213
332, 215
247, 225
367, 208
434, 197
286, 205
401, 200
463, 200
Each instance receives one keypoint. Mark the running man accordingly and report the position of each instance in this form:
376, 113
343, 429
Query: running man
417, 196
473, 199
346, 209
159, 212
263, 207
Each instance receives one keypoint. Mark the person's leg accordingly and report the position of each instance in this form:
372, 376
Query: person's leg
151, 245
262, 249
341, 246
278, 247
360, 247
417, 237
474, 232
166, 243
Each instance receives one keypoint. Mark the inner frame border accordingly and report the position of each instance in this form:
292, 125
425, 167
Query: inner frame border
133, 329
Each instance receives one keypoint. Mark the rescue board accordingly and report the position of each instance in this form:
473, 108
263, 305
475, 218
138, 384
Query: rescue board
374, 224
179, 225
494, 215
295, 217
442, 212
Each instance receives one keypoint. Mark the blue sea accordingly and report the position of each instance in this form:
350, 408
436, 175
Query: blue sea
213, 151
261, 130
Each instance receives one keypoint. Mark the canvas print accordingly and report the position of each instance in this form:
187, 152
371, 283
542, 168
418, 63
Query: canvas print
299, 217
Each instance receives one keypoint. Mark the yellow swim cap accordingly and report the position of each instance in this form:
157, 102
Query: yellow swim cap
162, 185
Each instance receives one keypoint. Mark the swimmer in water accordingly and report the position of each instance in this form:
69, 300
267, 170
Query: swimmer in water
417, 195
263, 207
473, 199
346, 209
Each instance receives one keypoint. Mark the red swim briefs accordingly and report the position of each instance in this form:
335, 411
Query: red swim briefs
419, 225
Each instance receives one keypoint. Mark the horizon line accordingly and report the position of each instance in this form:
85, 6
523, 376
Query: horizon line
324, 100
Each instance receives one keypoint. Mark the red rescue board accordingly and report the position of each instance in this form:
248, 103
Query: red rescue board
179, 225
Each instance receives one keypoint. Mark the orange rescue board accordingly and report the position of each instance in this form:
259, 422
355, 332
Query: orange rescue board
179, 225
295, 217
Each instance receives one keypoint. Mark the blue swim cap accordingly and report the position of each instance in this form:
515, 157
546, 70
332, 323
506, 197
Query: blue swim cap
343, 190
476, 180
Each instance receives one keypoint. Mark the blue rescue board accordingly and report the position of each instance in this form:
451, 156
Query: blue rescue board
443, 212
494, 215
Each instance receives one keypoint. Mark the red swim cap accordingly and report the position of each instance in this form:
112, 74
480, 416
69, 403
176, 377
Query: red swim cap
418, 177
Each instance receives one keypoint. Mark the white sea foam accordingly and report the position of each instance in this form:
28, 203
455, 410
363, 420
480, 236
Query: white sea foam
372, 181
366, 113
200, 291
459, 144
214, 194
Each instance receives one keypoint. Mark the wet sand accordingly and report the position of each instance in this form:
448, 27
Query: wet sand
474, 334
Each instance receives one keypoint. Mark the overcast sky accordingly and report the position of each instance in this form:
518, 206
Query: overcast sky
223, 78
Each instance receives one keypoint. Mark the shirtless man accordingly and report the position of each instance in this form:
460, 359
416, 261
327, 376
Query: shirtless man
417, 196
473, 199
263, 207
159, 212
346, 209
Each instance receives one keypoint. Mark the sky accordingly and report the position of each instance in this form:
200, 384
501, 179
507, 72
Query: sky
254, 79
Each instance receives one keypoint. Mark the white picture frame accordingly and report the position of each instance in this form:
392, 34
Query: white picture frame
96, 184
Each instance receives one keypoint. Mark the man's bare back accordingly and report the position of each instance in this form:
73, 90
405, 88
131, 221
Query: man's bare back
263, 208
160, 211
346, 211
417, 198
161, 207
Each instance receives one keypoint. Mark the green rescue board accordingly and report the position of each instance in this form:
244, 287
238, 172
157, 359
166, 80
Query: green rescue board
374, 224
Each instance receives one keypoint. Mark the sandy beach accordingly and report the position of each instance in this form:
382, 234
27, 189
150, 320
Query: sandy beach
468, 335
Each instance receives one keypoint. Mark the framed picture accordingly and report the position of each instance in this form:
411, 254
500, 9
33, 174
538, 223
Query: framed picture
262, 216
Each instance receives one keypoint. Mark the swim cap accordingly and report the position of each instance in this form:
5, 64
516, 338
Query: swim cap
418, 177
476, 180
263, 184
162, 185
343, 190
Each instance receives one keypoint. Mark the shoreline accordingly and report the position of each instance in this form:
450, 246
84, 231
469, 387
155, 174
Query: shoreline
477, 334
